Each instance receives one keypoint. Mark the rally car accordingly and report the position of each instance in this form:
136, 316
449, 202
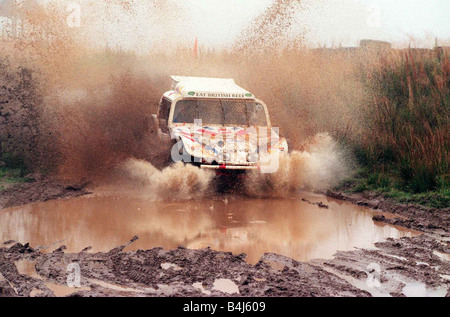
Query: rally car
215, 124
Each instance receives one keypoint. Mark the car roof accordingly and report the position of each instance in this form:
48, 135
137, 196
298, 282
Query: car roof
204, 87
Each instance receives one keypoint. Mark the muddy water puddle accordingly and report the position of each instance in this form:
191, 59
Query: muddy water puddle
291, 227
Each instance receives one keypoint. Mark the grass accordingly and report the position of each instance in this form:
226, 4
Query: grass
390, 186
406, 140
433, 199
12, 170
10, 176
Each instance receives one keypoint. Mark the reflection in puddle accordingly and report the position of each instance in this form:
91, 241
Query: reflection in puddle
289, 227
119, 287
420, 290
26, 267
63, 290
167, 266
35, 292
442, 256
225, 286
199, 286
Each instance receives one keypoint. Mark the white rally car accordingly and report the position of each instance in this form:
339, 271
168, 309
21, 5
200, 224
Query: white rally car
215, 124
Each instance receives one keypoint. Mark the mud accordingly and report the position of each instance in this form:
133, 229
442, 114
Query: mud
19, 128
430, 220
142, 273
39, 191
403, 267
408, 266
39, 123
413, 265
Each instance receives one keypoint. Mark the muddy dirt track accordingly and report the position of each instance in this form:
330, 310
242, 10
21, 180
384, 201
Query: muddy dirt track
409, 266
416, 265
40, 191
72, 105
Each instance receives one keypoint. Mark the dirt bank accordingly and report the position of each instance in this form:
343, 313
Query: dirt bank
40, 191
21, 133
184, 272
430, 220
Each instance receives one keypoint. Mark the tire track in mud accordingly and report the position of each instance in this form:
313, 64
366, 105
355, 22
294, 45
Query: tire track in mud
410, 266
406, 265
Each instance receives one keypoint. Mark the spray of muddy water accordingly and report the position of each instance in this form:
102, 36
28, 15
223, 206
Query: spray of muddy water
271, 28
319, 166
176, 182
97, 102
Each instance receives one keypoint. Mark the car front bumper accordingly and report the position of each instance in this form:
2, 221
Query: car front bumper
229, 167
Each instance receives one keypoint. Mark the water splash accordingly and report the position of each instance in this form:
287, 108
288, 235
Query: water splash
320, 165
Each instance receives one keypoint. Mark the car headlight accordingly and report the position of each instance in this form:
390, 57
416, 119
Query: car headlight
207, 160
284, 145
252, 157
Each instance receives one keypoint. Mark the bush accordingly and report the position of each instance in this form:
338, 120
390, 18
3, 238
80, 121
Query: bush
408, 129
14, 162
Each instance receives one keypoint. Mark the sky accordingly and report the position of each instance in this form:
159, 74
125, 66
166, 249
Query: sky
218, 23
398, 21
329, 22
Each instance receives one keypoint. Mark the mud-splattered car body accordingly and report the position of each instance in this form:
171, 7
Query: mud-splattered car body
216, 124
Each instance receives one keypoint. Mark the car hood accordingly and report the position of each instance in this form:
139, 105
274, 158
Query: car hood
230, 145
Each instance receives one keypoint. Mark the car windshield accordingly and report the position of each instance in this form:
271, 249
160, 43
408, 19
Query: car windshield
223, 112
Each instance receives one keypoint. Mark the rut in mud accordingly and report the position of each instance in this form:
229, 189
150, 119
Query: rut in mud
315, 246
420, 271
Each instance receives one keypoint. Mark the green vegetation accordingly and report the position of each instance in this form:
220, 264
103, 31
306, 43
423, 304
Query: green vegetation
13, 164
12, 170
391, 186
405, 146
10, 176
